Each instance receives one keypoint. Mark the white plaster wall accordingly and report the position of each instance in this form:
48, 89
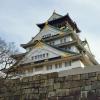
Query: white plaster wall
69, 38
45, 31
77, 64
43, 51
74, 49
54, 16
39, 51
58, 41
74, 64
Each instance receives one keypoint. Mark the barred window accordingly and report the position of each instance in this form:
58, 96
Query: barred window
49, 67
67, 64
59, 65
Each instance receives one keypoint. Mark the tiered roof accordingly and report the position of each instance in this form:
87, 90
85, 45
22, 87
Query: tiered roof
60, 19
56, 19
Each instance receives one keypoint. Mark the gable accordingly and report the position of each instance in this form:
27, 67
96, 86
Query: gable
47, 31
54, 16
42, 51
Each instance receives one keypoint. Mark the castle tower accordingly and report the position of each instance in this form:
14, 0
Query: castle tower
55, 48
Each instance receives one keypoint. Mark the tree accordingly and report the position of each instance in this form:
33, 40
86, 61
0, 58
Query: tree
6, 50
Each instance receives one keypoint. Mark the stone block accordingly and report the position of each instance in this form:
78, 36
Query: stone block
83, 82
98, 77
98, 92
97, 83
91, 95
69, 78
75, 91
65, 85
84, 76
42, 90
87, 88
52, 75
30, 79
50, 82
97, 73
25, 79
84, 95
59, 79
93, 79
50, 88
52, 94
36, 90
76, 77
51, 98
93, 86
74, 84
43, 77
67, 92
56, 85
36, 77
92, 74
42, 96
36, 97
61, 92
36, 85
66, 98
41, 81
88, 82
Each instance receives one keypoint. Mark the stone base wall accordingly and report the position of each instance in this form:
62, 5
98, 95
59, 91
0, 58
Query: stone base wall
54, 86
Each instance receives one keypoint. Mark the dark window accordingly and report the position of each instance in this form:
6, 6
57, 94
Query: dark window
32, 57
43, 55
67, 64
47, 54
38, 68
64, 39
56, 66
35, 57
40, 56
61, 41
52, 43
60, 65
49, 67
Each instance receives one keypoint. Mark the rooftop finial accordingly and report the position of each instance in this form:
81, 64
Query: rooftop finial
54, 11
46, 23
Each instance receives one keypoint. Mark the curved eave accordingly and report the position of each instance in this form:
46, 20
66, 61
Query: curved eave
26, 45
18, 56
66, 17
29, 44
60, 59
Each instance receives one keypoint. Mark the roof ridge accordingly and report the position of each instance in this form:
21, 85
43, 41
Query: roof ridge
55, 14
55, 28
60, 49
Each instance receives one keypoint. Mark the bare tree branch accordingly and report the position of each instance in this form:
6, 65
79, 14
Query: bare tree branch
6, 50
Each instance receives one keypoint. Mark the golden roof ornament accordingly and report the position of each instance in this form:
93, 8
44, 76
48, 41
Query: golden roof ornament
54, 11
46, 23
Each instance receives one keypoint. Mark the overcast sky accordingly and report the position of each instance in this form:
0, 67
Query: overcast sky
18, 19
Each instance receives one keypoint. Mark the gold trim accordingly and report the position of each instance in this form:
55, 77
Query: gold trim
46, 26
54, 61
61, 33
46, 23
39, 45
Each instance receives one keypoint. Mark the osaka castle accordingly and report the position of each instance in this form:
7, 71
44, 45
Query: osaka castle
56, 47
